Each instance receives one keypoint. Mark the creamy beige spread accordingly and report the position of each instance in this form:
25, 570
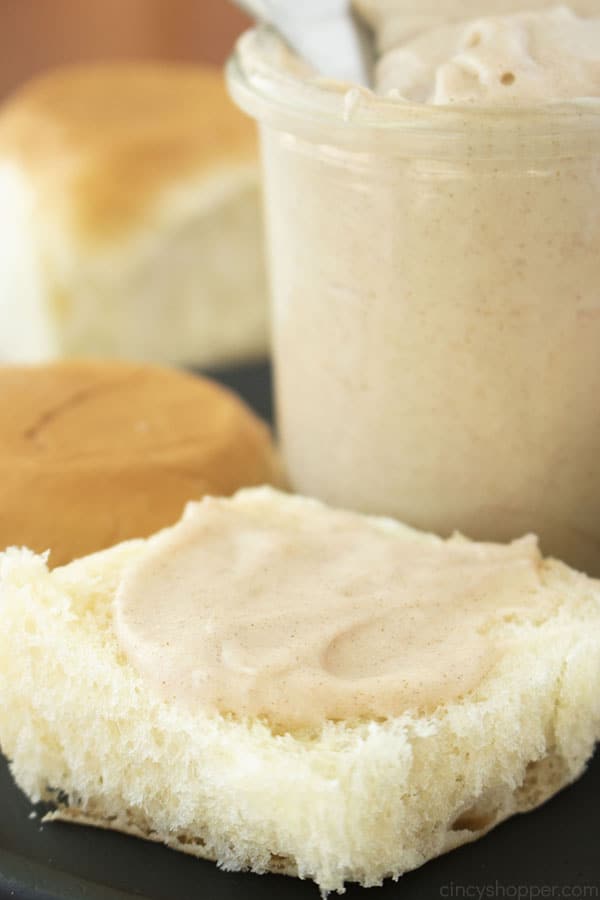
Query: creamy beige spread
493, 53
521, 59
278, 607
434, 269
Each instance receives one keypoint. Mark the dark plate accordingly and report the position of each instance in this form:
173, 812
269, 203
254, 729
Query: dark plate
552, 852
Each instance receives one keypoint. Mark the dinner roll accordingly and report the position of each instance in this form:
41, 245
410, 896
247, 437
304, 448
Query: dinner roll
129, 223
95, 452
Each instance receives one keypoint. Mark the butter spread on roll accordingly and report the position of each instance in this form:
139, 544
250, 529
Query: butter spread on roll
302, 614
263, 592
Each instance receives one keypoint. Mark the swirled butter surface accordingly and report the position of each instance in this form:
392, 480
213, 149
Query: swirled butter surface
279, 607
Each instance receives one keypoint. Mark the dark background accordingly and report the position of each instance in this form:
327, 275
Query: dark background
39, 34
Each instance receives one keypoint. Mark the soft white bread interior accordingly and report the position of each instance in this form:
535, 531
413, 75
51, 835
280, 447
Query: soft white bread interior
349, 803
130, 222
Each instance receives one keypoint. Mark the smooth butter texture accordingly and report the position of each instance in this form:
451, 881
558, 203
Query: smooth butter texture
282, 608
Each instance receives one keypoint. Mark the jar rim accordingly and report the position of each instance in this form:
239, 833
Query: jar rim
264, 89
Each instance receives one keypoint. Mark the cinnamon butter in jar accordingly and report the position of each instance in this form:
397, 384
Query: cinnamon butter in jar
434, 250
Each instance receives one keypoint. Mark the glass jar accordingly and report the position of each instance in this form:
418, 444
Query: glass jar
435, 278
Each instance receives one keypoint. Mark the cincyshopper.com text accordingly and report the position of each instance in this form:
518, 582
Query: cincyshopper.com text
453, 891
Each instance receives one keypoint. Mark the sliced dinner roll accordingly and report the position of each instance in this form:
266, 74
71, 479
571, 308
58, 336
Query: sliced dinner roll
219, 753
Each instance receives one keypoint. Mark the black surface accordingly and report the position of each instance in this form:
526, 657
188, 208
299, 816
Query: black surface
253, 383
556, 848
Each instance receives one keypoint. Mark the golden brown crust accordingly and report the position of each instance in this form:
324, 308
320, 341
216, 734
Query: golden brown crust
100, 141
94, 452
